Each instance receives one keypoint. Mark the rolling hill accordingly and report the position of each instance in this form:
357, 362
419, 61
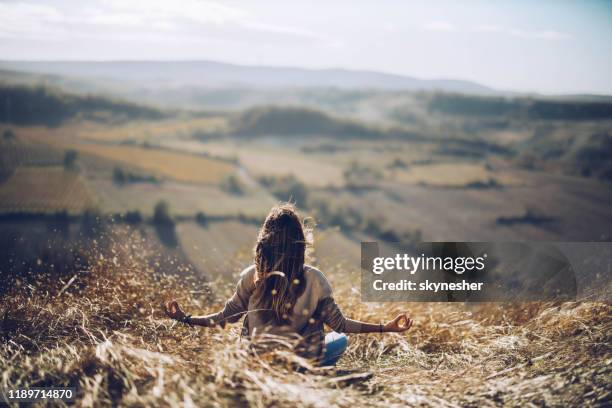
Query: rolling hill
293, 120
41, 105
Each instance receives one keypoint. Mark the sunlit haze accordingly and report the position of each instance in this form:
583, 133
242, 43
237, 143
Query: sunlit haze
548, 47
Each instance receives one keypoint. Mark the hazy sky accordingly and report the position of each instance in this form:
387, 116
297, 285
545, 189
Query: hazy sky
543, 46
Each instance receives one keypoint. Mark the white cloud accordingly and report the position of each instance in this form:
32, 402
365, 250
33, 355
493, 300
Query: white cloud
103, 18
388, 26
205, 12
439, 26
25, 20
278, 29
541, 34
487, 28
549, 34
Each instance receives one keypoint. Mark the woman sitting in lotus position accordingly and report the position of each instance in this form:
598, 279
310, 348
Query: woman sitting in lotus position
280, 294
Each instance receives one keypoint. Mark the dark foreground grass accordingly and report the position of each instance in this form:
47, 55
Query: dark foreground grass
103, 332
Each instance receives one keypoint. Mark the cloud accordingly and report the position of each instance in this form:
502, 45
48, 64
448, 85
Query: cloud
439, 26
487, 28
541, 34
548, 34
25, 20
388, 26
279, 29
140, 18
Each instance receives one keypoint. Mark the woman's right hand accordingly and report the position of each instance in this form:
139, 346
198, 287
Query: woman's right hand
399, 324
174, 311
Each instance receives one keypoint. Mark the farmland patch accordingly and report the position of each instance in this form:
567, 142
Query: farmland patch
184, 199
44, 190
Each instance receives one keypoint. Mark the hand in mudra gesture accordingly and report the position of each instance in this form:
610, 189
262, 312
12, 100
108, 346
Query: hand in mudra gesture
173, 310
399, 324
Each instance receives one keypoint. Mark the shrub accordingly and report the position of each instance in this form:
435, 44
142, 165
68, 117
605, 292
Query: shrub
530, 217
201, 218
231, 184
133, 217
8, 134
70, 158
286, 188
398, 163
594, 158
161, 214
119, 175
358, 175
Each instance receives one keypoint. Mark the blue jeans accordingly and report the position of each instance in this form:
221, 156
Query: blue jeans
335, 346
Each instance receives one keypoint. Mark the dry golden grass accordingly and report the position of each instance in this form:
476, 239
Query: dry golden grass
44, 190
103, 332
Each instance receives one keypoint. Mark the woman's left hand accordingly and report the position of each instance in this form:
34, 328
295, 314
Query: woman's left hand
399, 324
174, 311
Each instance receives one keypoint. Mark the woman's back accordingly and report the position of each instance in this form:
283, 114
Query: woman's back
280, 294
313, 307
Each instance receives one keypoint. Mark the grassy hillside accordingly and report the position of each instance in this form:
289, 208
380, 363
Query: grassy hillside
293, 121
300, 121
520, 107
40, 105
102, 332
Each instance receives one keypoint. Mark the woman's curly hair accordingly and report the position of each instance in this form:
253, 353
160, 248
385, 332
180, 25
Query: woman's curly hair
279, 261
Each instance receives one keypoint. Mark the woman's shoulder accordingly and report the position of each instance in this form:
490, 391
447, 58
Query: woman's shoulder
246, 281
317, 279
248, 271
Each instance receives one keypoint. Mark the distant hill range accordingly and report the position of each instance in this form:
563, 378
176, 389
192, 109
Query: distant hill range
217, 74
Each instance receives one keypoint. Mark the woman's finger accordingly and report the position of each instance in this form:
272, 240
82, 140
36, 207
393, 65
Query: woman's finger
408, 325
171, 308
404, 323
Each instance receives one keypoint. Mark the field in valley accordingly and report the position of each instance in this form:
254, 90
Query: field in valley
44, 190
